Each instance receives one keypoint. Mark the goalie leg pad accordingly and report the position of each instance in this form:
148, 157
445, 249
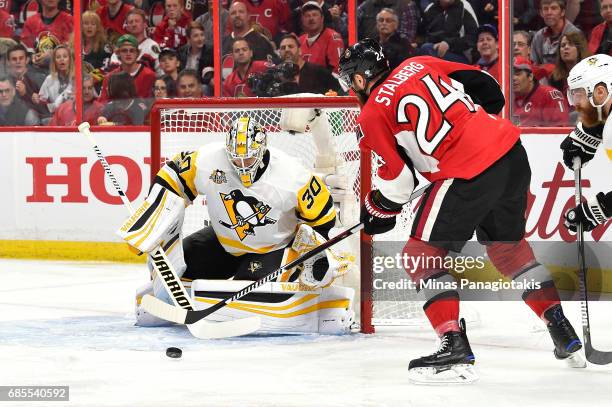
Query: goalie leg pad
158, 218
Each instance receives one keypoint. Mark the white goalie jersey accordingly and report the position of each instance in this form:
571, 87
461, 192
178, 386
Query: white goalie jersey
258, 219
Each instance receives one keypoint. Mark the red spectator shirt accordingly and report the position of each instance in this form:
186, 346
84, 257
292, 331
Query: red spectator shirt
492, 69
596, 37
324, 51
172, 37
236, 86
271, 14
61, 26
65, 114
418, 115
543, 106
7, 25
144, 79
114, 24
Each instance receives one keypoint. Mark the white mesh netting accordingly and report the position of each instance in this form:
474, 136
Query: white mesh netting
188, 128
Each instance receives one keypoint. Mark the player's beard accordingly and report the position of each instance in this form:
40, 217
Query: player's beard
588, 115
362, 96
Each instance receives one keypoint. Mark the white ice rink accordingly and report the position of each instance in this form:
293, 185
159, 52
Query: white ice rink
72, 324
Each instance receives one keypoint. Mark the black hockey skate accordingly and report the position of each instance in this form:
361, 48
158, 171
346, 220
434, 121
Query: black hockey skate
453, 362
567, 343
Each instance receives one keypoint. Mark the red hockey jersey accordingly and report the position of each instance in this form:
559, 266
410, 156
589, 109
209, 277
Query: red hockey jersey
271, 14
7, 24
144, 79
114, 24
236, 86
543, 106
172, 37
420, 116
61, 27
325, 50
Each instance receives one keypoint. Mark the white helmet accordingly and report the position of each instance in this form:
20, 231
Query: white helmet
587, 74
246, 146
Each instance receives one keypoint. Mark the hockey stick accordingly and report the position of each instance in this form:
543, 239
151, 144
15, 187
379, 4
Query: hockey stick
165, 272
182, 316
593, 355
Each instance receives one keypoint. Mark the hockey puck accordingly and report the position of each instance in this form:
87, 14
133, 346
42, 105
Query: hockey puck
174, 353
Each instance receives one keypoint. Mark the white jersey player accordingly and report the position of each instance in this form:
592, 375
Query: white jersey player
257, 199
590, 90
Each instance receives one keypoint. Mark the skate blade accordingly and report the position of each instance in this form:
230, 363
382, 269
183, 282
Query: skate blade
456, 374
575, 361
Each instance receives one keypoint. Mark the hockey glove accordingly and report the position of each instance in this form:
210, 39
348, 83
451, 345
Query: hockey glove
378, 213
582, 142
589, 214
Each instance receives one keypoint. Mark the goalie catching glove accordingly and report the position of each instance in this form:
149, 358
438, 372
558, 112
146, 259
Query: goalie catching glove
322, 269
590, 214
378, 213
158, 217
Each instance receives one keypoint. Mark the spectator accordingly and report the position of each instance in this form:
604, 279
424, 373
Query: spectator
521, 44
196, 54
164, 87
584, 14
311, 78
572, 49
406, 10
334, 16
50, 19
488, 49
526, 16
535, 104
148, 50
546, 41
486, 11
123, 108
600, 41
172, 31
188, 84
449, 30
7, 25
43, 48
13, 111
5, 45
26, 80
59, 85
143, 78
235, 84
395, 47
65, 114
261, 46
96, 49
169, 63
273, 15
319, 45
113, 16
206, 20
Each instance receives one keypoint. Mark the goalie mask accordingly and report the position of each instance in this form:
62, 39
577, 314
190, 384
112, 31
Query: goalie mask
585, 76
246, 146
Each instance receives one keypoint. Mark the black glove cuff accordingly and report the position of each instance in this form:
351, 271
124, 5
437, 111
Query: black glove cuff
383, 203
595, 131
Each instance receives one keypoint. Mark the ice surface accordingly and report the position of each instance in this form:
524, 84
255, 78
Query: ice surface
72, 324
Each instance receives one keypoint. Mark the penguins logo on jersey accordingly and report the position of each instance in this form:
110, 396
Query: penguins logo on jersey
255, 266
245, 212
218, 177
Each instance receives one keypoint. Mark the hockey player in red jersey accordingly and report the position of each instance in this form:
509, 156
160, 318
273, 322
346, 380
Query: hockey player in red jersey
438, 118
590, 90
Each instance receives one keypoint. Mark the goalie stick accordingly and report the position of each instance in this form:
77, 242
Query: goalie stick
593, 355
183, 316
165, 272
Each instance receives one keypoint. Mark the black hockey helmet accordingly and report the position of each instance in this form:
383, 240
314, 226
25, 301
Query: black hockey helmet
365, 57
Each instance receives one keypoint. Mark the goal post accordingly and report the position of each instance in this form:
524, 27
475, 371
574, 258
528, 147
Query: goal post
187, 124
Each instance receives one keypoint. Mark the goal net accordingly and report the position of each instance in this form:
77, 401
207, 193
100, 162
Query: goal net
328, 146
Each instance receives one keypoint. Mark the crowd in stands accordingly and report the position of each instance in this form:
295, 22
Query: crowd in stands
136, 51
